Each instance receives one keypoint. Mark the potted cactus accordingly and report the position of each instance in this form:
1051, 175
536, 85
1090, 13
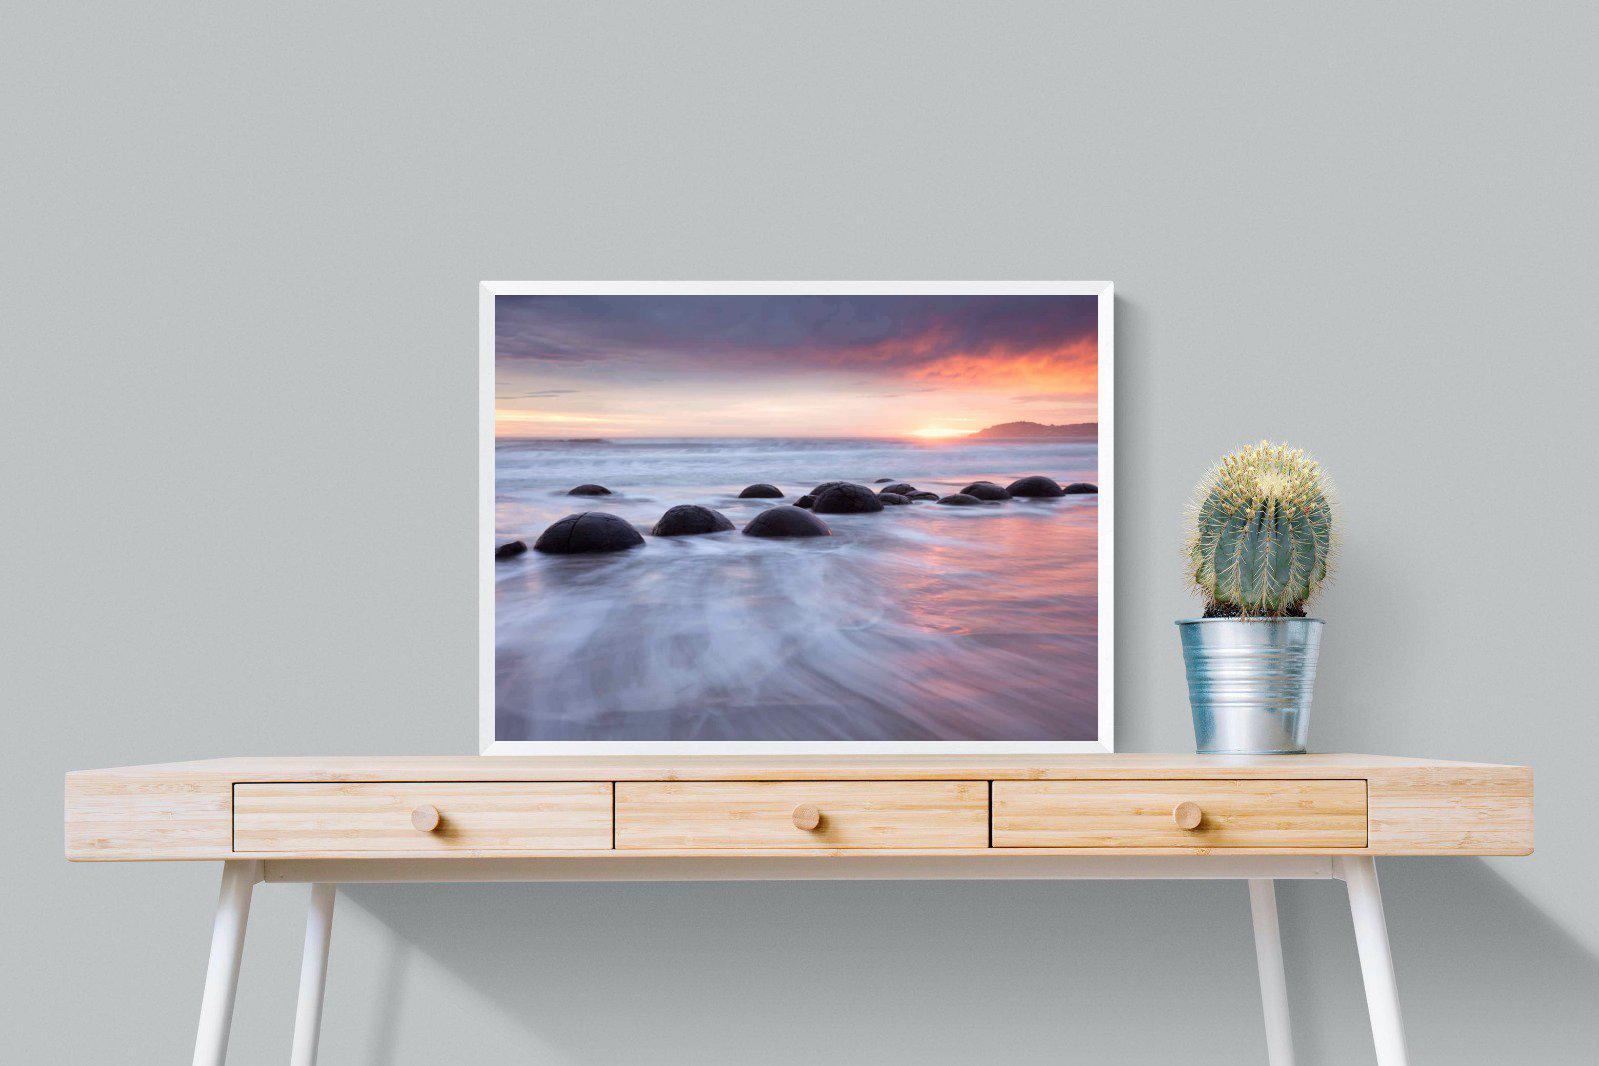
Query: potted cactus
1260, 544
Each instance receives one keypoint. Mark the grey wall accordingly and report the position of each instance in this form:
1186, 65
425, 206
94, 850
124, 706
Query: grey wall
241, 257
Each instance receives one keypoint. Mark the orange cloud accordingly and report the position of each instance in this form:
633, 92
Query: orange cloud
1070, 370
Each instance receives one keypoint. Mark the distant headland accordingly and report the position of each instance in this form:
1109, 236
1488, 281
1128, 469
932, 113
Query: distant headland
1015, 430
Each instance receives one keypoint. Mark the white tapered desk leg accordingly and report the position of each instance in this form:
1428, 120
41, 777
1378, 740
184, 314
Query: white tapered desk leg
239, 877
1376, 960
313, 975
1273, 981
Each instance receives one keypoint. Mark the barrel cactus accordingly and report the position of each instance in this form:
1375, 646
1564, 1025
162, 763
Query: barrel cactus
1261, 537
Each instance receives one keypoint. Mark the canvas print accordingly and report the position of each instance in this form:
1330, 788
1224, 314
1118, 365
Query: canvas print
796, 518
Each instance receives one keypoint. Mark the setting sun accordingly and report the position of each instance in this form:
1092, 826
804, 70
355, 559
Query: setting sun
937, 432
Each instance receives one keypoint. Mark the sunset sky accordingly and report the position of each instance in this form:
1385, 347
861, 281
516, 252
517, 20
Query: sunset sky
790, 366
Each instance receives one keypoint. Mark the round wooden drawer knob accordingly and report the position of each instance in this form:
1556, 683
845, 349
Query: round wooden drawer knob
1187, 815
425, 818
807, 816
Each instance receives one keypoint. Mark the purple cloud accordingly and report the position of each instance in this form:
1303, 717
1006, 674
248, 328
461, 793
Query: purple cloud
894, 335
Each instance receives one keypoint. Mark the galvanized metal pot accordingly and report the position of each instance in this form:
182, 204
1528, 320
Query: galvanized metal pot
1250, 681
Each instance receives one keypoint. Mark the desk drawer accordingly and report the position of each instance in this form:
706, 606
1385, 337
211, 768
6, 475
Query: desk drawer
774, 814
449, 817
1146, 814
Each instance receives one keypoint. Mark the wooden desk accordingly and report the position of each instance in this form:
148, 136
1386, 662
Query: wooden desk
327, 821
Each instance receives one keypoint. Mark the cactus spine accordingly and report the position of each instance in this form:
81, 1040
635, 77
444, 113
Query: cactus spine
1261, 533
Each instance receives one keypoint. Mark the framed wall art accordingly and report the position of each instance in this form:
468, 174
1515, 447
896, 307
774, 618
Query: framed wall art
734, 517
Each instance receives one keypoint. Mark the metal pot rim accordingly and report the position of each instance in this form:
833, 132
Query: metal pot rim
1255, 619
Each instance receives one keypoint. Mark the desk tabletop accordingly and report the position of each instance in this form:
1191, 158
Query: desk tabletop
784, 767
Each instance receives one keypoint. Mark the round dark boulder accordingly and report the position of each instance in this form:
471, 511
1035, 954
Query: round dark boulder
1081, 488
591, 531
511, 550
689, 519
763, 491
806, 501
1035, 486
904, 488
893, 499
882, 481
590, 490
986, 490
824, 486
960, 499
786, 521
847, 499
920, 496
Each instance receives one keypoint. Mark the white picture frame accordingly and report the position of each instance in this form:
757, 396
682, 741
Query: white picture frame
489, 290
